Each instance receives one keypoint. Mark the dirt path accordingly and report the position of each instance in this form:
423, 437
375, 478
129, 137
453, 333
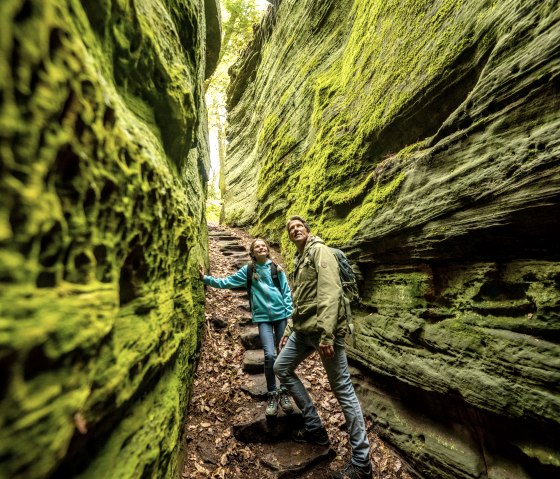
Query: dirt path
225, 425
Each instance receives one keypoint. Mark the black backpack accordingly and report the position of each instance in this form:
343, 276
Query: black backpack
273, 272
347, 276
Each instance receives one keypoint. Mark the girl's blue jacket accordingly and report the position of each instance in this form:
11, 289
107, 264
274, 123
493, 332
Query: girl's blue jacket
267, 302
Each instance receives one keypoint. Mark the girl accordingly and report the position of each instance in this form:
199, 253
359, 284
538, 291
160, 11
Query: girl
271, 307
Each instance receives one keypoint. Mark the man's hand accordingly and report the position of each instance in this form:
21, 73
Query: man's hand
326, 350
283, 341
201, 271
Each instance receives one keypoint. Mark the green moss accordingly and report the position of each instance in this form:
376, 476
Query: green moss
354, 95
100, 301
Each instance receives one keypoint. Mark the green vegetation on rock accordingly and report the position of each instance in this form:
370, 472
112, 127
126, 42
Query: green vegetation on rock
100, 225
421, 137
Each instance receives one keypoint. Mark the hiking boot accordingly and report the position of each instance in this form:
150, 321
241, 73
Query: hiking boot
272, 404
350, 471
319, 436
285, 402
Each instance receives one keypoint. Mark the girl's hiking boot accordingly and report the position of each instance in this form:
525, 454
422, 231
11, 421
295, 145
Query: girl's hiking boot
285, 402
272, 404
319, 436
350, 471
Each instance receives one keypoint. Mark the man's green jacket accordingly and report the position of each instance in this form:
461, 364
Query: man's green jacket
317, 293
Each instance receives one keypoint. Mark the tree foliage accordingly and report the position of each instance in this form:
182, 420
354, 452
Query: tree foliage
239, 16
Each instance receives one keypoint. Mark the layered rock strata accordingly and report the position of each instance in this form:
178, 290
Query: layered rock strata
422, 137
102, 182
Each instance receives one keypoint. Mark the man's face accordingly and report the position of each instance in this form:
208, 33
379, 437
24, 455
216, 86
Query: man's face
297, 232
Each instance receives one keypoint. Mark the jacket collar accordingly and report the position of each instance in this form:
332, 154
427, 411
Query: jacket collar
311, 240
267, 262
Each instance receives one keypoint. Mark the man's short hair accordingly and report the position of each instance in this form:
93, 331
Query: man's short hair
298, 218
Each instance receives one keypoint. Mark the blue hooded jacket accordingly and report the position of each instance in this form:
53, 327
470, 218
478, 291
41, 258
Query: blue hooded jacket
267, 302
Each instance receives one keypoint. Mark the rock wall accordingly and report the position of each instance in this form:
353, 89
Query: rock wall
103, 170
422, 137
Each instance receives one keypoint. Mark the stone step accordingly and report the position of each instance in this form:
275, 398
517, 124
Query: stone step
232, 246
224, 239
235, 254
241, 294
253, 361
255, 386
250, 338
213, 231
290, 459
245, 319
219, 234
238, 263
244, 308
278, 452
260, 429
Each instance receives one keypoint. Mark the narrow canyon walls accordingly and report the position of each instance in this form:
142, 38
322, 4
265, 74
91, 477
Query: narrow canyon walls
422, 137
103, 167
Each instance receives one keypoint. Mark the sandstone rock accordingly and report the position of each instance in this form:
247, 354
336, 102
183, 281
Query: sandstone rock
260, 429
245, 319
231, 247
253, 361
250, 338
255, 386
290, 459
422, 138
102, 180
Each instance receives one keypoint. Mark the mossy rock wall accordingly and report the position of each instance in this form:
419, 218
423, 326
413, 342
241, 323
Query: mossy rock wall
422, 138
104, 157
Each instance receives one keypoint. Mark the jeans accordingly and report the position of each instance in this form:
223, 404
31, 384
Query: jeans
270, 333
298, 347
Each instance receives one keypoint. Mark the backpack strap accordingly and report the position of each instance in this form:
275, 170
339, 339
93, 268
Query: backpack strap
274, 273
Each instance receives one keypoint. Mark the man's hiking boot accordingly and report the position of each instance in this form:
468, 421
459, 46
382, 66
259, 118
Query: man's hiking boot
272, 404
285, 402
319, 436
350, 471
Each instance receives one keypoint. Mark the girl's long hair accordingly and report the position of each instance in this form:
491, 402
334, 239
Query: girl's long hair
252, 255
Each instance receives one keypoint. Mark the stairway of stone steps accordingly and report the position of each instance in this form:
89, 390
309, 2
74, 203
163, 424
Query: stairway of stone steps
285, 457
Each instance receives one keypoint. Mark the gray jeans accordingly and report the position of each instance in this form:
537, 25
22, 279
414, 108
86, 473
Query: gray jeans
298, 347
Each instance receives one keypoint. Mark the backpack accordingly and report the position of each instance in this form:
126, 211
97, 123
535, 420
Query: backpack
273, 272
350, 293
347, 276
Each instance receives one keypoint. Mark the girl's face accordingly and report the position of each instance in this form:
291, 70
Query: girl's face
260, 250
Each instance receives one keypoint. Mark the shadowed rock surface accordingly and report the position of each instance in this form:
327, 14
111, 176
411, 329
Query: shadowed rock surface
262, 429
422, 137
102, 180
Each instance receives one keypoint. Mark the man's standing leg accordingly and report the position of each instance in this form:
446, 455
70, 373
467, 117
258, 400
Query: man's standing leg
343, 389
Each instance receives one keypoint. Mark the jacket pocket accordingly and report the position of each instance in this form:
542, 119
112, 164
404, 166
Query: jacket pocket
305, 310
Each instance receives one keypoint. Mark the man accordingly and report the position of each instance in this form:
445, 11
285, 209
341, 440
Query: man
320, 325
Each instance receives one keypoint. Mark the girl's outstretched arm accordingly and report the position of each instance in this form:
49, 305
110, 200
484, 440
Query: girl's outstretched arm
236, 280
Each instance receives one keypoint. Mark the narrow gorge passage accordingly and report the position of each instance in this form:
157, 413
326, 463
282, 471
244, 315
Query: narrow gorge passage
227, 435
419, 137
